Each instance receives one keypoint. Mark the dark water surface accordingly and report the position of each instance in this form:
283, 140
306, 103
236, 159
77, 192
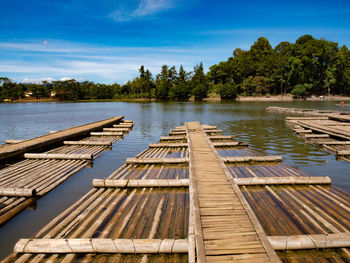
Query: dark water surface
264, 131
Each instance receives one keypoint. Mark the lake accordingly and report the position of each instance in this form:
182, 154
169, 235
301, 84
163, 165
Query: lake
248, 121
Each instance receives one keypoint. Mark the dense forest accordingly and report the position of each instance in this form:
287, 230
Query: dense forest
308, 67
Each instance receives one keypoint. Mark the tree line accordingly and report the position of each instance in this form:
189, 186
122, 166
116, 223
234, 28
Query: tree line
307, 67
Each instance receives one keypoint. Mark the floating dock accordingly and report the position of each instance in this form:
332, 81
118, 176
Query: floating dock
199, 208
330, 129
21, 183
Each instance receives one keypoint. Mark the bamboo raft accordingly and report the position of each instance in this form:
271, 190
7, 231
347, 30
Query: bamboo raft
23, 182
330, 131
202, 210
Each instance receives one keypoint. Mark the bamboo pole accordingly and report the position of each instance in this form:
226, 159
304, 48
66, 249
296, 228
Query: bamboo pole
282, 180
13, 141
58, 156
319, 241
168, 138
252, 159
221, 137
123, 125
343, 152
312, 136
156, 160
335, 142
19, 192
102, 245
302, 130
127, 121
106, 133
168, 145
22, 204
99, 143
228, 144
140, 183
116, 129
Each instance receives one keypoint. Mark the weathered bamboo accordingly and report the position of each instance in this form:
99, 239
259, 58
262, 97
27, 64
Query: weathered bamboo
102, 245
282, 180
58, 156
221, 137
106, 133
20, 205
127, 121
168, 138
312, 136
123, 125
228, 144
13, 141
140, 183
252, 159
213, 131
335, 142
168, 145
302, 131
307, 118
320, 241
87, 143
156, 160
19, 192
343, 152
116, 129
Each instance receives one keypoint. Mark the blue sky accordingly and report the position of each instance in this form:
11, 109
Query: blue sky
106, 41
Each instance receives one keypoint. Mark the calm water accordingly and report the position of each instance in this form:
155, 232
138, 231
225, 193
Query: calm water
265, 132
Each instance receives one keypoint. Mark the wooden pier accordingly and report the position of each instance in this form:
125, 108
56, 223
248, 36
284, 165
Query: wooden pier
22, 182
199, 210
329, 129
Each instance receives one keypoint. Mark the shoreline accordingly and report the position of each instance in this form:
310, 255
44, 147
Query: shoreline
277, 98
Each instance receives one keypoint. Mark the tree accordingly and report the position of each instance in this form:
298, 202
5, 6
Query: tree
180, 90
227, 91
199, 83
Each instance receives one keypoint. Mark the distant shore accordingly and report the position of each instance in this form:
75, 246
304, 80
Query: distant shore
212, 98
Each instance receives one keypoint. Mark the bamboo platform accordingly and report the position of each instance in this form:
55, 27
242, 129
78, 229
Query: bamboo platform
203, 210
330, 130
23, 182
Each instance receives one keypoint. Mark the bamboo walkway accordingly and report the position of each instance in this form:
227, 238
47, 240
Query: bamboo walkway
226, 231
201, 209
23, 182
329, 129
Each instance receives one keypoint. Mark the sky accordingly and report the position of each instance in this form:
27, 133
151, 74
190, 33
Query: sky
106, 41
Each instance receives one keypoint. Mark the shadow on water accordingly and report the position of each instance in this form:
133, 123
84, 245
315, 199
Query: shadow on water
248, 121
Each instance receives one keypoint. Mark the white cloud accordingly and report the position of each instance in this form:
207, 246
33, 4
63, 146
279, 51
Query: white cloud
145, 8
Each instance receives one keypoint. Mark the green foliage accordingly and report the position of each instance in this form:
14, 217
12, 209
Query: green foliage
227, 91
301, 89
199, 83
309, 66
263, 69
